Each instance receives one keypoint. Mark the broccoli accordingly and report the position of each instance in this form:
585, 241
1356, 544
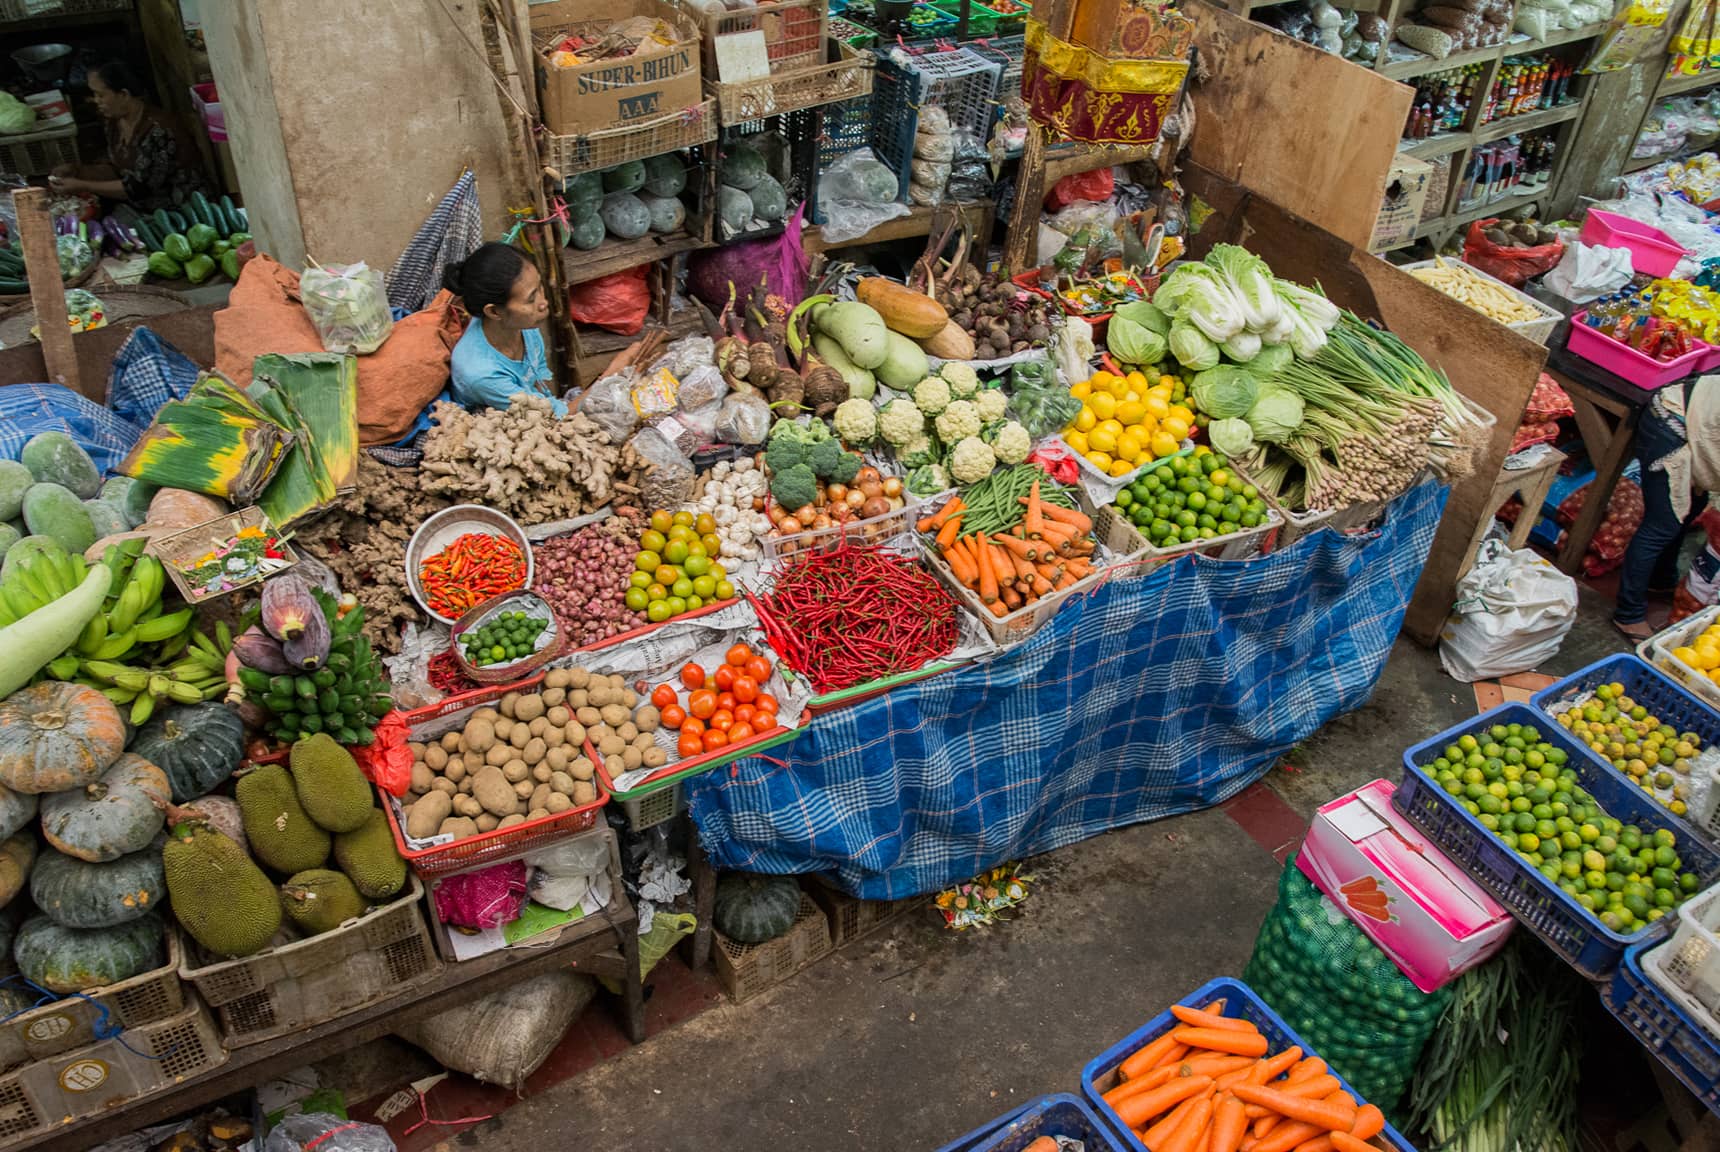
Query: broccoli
785, 452
846, 469
794, 487
823, 457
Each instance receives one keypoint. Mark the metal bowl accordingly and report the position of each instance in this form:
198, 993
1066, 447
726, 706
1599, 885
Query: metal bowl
447, 526
45, 63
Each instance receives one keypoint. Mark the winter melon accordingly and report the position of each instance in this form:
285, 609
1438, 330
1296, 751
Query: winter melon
628, 177
584, 195
15, 480
588, 233
743, 168
55, 510
137, 500
107, 519
8, 537
734, 210
769, 200
667, 213
55, 458
665, 175
625, 215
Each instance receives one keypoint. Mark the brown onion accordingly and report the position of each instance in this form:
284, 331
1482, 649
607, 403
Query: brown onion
855, 498
788, 525
896, 502
805, 513
875, 506
892, 485
837, 492
872, 488
776, 514
841, 513
758, 504
818, 500
867, 473
820, 521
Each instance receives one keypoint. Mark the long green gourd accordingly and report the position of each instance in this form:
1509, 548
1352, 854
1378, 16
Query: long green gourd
45, 633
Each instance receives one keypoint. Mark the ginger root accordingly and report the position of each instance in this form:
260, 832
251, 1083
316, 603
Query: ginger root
522, 461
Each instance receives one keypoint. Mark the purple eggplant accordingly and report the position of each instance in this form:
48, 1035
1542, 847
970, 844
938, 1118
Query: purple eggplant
95, 236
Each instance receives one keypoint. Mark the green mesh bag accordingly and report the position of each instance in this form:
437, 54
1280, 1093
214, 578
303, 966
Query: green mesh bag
1340, 993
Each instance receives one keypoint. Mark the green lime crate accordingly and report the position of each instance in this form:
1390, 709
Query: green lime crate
982, 21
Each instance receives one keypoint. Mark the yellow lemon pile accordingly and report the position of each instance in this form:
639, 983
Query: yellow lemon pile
1127, 421
1703, 654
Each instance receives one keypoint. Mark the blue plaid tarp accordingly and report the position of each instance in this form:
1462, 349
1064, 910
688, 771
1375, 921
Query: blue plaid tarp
147, 373
1152, 696
26, 409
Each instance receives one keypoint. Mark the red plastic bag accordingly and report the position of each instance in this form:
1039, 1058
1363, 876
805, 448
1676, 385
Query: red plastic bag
617, 303
1096, 185
1512, 265
387, 761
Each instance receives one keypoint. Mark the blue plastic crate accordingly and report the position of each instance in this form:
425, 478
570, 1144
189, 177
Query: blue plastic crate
1666, 1030
1100, 1075
1059, 1115
1562, 924
973, 1140
1663, 696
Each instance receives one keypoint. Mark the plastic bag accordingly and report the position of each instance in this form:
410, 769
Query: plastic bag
1095, 186
687, 354
1586, 271
1512, 265
856, 194
616, 303
487, 898
324, 1132
503, 1037
348, 306
609, 404
744, 419
1037, 401
669, 483
1512, 612
701, 386
782, 261
1635, 30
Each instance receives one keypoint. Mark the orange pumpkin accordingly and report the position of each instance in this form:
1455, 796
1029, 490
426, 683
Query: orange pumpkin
55, 736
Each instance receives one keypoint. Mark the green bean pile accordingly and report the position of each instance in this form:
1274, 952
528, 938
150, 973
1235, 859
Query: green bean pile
994, 504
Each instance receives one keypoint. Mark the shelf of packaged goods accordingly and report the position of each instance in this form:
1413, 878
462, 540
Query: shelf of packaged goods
1568, 36
1674, 85
1690, 147
1528, 122
1437, 145
1421, 65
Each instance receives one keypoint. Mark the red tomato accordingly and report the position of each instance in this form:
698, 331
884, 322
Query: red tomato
722, 718
714, 740
692, 676
663, 696
746, 689
766, 724
744, 713
692, 724
689, 745
702, 703
766, 703
725, 677
727, 700
674, 716
758, 668
740, 730
739, 655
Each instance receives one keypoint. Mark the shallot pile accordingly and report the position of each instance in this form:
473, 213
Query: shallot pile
584, 576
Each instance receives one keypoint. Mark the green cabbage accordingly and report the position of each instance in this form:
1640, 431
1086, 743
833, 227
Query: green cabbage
1232, 437
1242, 347
1250, 280
1147, 315
1276, 414
1271, 360
15, 115
1131, 340
1225, 392
1191, 347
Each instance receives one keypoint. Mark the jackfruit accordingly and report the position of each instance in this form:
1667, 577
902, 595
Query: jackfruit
368, 856
319, 900
280, 832
331, 787
218, 894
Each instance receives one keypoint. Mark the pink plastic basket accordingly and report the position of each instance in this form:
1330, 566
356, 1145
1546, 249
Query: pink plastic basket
1652, 252
1627, 363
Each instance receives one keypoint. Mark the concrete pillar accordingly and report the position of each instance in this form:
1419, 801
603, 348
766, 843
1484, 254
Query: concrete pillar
348, 122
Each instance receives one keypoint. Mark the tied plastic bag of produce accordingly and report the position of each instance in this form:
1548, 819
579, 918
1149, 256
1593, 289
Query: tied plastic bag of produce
1505, 262
856, 194
326, 1132
1512, 612
348, 306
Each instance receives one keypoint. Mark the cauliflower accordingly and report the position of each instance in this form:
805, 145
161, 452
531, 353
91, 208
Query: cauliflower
928, 480
856, 422
972, 461
991, 403
963, 380
901, 422
932, 395
958, 421
1012, 443
921, 452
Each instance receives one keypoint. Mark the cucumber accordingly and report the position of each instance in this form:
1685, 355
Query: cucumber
146, 233
199, 206
14, 287
10, 265
163, 222
180, 224
231, 214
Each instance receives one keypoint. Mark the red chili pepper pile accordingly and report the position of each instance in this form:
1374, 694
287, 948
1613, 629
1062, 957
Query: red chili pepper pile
856, 614
469, 571
445, 676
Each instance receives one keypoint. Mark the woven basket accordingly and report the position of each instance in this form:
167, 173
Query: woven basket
533, 605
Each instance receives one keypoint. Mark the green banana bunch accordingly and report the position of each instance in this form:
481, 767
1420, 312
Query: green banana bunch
36, 581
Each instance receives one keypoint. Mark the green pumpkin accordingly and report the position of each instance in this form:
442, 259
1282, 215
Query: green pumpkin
751, 909
79, 894
118, 814
64, 959
197, 745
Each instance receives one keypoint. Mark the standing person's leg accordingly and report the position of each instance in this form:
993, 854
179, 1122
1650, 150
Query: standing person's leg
1658, 534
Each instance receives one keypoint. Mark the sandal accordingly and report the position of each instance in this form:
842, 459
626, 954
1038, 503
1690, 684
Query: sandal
1641, 630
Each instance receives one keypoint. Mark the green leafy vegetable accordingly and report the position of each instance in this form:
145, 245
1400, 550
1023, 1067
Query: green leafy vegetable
1191, 347
1225, 392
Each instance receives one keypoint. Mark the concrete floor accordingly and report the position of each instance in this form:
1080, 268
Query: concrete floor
916, 1034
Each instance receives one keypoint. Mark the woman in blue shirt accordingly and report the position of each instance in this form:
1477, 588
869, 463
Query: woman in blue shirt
501, 355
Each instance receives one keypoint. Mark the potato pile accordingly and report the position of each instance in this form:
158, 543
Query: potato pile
525, 758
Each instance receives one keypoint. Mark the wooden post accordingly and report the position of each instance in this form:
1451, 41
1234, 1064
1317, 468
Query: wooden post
47, 290
1018, 249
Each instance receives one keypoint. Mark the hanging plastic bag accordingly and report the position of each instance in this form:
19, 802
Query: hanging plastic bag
616, 303
1512, 265
348, 306
1512, 612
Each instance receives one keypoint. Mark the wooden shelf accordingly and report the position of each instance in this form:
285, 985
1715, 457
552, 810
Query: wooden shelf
1498, 207
1688, 148
1557, 39
918, 222
1528, 121
1674, 85
55, 21
1438, 145
1421, 65
579, 267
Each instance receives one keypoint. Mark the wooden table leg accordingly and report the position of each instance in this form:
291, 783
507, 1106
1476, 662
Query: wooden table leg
704, 879
633, 991
1534, 495
1610, 450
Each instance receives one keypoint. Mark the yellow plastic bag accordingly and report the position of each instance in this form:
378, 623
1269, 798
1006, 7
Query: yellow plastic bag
1633, 31
667, 929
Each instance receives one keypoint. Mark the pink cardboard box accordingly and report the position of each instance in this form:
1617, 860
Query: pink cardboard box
1402, 891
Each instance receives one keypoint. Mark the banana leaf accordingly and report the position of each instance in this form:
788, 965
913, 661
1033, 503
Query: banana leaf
217, 441
316, 395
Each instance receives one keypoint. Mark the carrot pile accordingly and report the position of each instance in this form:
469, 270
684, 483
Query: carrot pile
1209, 1085
1049, 550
